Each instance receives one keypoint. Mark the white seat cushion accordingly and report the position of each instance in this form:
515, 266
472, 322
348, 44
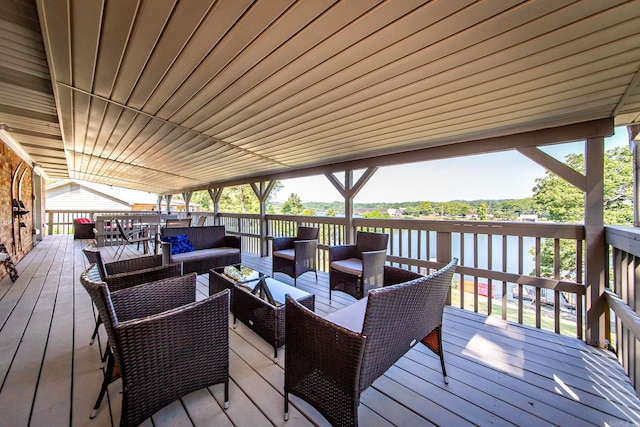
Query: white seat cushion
351, 266
286, 254
351, 317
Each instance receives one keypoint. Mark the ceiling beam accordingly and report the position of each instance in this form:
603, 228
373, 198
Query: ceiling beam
568, 133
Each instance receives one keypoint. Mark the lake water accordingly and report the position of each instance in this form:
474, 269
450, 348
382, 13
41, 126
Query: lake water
467, 259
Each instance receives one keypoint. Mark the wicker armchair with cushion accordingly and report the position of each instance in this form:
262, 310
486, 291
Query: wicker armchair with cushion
329, 362
356, 269
295, 256
129, 272
164, 344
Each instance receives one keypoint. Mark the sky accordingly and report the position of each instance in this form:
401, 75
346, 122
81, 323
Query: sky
503, 175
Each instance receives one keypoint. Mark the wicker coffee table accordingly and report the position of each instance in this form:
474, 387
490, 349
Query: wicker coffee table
260, 305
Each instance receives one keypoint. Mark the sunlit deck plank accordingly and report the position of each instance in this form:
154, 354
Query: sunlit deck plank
500, 373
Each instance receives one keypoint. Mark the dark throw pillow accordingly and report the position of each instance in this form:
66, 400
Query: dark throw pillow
179, 244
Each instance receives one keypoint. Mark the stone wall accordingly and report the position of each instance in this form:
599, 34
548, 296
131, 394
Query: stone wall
18, 240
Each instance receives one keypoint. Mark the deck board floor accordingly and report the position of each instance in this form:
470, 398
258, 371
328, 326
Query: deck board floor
500, 373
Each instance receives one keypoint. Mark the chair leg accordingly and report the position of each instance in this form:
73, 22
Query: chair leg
108, 373
286, 406
441, 354
95, 330
226, 394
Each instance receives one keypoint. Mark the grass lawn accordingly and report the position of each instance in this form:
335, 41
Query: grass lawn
567, 320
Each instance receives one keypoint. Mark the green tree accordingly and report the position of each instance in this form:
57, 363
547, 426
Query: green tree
308, 212
375, 214
239, 198
242, 198
565, 203
482, 212
425, 208
330, 212
292, 206
202, 200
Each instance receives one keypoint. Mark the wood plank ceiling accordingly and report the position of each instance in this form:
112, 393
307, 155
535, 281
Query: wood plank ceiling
167, 96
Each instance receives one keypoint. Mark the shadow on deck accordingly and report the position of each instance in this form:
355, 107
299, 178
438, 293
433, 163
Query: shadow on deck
500, 373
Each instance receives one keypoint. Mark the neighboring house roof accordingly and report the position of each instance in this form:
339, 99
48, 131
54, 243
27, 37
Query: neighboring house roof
116, 195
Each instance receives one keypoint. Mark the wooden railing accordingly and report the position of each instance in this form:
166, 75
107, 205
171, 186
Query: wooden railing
622, 297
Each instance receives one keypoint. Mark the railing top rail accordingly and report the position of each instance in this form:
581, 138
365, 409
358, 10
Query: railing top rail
547, 230
624, 238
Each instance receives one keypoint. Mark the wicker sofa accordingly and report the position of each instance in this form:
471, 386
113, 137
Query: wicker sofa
212, 248
330, 361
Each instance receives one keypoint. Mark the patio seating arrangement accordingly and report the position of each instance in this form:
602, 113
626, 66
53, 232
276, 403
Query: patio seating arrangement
128, 237
295, 256
163, 343
329, 362
356, 269
129, 272
172, 223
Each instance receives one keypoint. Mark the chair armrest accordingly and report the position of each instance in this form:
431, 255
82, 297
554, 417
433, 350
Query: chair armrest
152, 298
280, 243
187, 347
134, 278
165, 248
339, 252
322, 360
232, 242
305, 249
133, 264
373, 269
394, 275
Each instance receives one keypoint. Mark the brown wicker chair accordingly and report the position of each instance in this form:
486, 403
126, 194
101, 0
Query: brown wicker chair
128, 272
330, 362
163, 343
295, 256
356, 269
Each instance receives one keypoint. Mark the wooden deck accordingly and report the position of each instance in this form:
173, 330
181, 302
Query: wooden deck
500, 373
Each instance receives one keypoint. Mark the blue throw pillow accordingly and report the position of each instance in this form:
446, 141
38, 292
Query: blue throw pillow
179, 244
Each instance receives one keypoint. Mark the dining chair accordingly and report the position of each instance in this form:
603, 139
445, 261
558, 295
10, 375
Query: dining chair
127, 237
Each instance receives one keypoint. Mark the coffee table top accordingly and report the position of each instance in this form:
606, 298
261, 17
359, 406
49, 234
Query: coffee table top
277, 289
240, 274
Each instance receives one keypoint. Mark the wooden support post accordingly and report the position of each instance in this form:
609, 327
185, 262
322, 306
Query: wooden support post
187, 201
595, 242
349, 190
215, 194
262, 192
